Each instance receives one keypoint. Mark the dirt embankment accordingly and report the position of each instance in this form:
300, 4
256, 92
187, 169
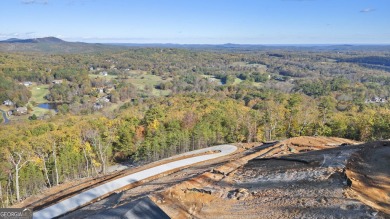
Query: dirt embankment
299, 177
368, 171
295, 178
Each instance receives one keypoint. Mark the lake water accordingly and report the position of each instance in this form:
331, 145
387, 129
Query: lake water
50, 106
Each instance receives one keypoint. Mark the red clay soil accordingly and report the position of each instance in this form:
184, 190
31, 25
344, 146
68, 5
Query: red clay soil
289, 146
301, 143
368, 171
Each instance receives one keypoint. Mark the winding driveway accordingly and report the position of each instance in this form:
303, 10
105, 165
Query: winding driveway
6, 120
85, 197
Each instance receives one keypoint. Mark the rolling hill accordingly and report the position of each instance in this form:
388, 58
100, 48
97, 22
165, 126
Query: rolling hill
51, 45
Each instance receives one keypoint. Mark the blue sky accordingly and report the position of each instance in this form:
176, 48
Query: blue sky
199, 21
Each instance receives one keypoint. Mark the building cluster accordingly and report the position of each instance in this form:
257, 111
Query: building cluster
104, 93
377, 100
17, 111
101, 102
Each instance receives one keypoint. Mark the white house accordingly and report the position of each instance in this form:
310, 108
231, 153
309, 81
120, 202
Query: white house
21, 110
26, 83
57, 81
105, 99
8, 103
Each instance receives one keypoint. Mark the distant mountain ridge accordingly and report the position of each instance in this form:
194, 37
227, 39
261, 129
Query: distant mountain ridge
34, 40
52, 45
56, 45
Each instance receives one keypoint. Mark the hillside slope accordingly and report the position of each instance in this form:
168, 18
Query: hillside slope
301, 177
52, 45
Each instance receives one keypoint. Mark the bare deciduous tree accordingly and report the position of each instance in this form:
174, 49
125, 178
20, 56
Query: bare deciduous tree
18, 161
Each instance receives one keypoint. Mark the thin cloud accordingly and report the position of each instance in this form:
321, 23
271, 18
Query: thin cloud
367, 10
31, 2
24, 35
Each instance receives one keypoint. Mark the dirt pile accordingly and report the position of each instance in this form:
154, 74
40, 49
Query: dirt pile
368, 171
286, 147
299, 177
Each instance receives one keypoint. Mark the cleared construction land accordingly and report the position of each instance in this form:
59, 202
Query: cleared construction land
288, 180
304, 177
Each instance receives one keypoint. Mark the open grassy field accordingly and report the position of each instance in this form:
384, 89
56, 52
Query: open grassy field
101, 76
40, 111
4, 108
157, 92
38, 93
237, 81
212, 78
245, 64
141, 81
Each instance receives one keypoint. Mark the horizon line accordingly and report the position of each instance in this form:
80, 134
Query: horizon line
206, 44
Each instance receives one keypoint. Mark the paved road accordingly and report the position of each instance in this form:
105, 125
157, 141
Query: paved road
94, 193
6, 120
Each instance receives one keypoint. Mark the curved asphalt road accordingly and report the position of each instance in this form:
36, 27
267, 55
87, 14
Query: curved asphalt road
94, 193
6, 120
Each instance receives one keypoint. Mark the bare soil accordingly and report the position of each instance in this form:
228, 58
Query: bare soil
303, 177
368, 171
298, 178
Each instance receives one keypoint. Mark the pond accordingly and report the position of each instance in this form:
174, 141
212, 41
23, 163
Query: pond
49, 106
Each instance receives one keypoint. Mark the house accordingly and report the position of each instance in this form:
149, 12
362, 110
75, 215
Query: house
97, 106
57, 81
279, 78
105, 99
108, 89
211, 80
376, 100
21, 110
8, 103
26, 83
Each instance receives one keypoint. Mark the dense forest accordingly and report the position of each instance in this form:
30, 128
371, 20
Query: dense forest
144, 104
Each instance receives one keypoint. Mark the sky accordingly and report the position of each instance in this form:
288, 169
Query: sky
199, 21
